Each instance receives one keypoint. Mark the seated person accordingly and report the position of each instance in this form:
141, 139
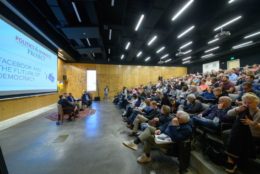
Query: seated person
86, 99
134, 101
68, 108
203, 86
71, 99
161, 120
245, 131
212, 117
227, 86
144, 118
145, 109
165, 100
181, 96
194, 90
217, 94
246, 87
208, 94
191, 105
214, 82
179, 129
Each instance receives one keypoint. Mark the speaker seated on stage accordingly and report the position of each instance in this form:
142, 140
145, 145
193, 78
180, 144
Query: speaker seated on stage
68, 107
86, 99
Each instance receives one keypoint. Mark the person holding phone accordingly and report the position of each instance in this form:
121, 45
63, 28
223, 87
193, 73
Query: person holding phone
245, 132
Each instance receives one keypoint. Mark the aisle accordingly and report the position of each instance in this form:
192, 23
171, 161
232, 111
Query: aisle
92, 145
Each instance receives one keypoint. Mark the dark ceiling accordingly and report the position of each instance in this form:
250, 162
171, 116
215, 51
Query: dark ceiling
86, 38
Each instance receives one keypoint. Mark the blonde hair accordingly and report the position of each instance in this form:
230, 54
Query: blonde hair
153, 103
166, 109
251, 96
226, 99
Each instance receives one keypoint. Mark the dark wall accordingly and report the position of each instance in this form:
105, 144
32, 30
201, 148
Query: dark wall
246, 58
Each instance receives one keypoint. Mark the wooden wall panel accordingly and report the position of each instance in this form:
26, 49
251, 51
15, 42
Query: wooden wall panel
116, 76
12, 108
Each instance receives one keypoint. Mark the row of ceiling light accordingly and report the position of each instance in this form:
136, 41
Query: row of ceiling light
187, 59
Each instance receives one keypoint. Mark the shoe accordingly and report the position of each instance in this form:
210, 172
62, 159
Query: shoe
124, 119
131, 145
144, 159
231, 168
129, 126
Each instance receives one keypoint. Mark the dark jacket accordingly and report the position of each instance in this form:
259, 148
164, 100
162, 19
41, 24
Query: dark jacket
71, 99
213, 112
164, 121
65, 103
178, 133
193, 108
153, 113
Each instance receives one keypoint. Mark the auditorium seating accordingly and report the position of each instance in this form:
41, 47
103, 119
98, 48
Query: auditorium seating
203, 137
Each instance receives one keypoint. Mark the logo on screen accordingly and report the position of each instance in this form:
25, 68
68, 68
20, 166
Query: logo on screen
51, 77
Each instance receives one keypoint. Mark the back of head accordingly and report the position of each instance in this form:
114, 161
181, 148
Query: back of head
166, 109
183, 116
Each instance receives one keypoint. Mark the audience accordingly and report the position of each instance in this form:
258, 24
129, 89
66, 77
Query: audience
167, 106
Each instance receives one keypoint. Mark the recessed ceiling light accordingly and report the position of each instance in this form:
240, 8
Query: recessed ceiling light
160, 49
252, 35
228, 23
245, 44
230, 1
164, 56
108, 50
127, 45
187, 52
139, 22
139, 54
112, 3
182, 10
147, 58
185, 62
168, 60
122, 56
76, 11
110, 34
88, 42
212, 41
207, 56
211, 49
186, 58
185, 32
152, 40
186, 44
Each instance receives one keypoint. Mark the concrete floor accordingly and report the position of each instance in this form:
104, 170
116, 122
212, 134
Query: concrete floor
93, 145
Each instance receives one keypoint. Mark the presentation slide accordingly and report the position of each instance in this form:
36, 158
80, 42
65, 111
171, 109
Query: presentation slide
26, 66
212, 66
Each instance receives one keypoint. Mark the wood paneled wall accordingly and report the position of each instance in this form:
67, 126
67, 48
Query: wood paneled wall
116, 76
12, 108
